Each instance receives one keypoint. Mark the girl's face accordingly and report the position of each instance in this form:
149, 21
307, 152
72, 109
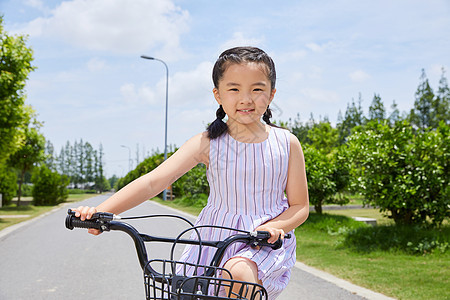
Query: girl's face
244, 92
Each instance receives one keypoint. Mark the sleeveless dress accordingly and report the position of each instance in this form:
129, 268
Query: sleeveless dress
247, 183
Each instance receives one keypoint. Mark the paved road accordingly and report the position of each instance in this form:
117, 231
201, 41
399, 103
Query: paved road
44, 260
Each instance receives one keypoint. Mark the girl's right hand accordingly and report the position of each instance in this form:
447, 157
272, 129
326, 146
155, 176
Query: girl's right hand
85, 213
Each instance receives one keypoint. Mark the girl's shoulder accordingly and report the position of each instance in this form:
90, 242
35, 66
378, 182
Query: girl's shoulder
198, 147
285, 134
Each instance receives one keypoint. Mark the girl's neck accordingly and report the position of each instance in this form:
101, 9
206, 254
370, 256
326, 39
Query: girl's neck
248, 133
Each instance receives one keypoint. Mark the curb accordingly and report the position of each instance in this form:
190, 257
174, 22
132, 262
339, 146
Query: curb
14, 227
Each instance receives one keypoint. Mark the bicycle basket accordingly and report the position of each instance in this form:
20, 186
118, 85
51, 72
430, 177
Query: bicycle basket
174, 282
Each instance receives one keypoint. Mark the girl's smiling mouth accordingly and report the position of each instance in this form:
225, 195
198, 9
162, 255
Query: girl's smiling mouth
246, 110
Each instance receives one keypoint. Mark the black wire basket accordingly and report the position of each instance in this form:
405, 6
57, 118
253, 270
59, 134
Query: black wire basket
185, 281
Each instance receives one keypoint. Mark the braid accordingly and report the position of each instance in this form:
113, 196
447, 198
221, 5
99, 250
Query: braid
217, 127
220, 113
267, 115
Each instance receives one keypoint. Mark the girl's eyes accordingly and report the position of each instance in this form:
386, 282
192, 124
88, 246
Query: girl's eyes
254, 90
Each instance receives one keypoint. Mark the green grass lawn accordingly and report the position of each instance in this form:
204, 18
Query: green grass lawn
393, 273
31, 211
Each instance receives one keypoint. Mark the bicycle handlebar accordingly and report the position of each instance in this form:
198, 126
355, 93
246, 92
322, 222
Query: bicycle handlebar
105, 222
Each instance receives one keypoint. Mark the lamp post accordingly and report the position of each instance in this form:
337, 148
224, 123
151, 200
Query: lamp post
167, 107
129, 157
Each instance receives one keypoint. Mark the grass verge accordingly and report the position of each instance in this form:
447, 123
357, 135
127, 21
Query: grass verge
391, 272
30, 211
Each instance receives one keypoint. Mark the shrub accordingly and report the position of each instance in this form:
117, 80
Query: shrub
198, 200
49, 187
27, 190
403, 172
8, 185
193, 183
408, 239
327, 177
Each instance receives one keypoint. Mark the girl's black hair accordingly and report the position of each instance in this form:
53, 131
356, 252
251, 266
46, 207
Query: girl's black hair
239, 55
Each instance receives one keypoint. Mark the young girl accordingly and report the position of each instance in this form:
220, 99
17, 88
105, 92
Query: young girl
256, 173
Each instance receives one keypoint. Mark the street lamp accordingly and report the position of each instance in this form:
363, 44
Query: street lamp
129, 157
167, 107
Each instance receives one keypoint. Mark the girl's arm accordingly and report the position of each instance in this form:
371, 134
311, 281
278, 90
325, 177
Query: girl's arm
193, 152
297, 194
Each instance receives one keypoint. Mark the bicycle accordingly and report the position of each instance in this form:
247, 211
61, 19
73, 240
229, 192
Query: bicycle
173, 282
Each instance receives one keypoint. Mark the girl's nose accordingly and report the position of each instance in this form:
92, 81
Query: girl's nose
246, 98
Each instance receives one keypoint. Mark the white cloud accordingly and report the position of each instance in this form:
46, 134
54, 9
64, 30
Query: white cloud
289, 57
119, 26
359, 76
192, 87
137, 95
38, 4
239, 39
320, 96
314, 47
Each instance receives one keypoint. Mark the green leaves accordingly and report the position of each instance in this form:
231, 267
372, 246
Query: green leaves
15, 65
49, 187
401, 171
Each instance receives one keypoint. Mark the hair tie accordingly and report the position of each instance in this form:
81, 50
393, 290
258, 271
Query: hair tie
220, 113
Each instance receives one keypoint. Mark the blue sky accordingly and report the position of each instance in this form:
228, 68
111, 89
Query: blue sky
91, 83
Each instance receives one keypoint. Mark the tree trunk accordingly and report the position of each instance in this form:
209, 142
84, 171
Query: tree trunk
19, 194
318, 208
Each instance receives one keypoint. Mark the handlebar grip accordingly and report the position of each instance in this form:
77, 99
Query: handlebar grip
263, 236
74, 222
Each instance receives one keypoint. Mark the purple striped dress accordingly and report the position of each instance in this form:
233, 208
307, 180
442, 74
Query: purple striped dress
247, 183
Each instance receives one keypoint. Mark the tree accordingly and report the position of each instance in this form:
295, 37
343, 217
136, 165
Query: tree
50, 161
394, 116
8, 184
29, 154
354, 116
113, 181
101, 183
323, 137
421, 116
441, 104
15, 65
325, 171
326, 175
402, 172
300, 129
49, 187
376, 109
89, 167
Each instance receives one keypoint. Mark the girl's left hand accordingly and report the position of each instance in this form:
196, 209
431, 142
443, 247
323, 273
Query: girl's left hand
275, 233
